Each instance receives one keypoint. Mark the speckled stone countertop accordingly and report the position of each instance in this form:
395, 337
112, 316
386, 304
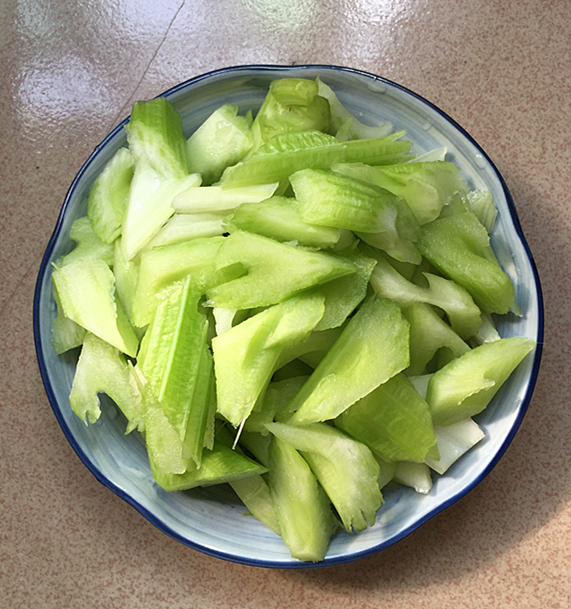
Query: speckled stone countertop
69, 72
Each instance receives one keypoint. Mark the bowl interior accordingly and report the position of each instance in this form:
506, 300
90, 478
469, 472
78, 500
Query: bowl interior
212, 520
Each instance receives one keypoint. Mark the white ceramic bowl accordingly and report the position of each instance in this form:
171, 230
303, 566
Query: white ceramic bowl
212, 520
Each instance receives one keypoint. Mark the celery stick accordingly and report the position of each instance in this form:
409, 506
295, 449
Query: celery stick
86, 289
428, 334
176, 364
426, 187
482, 202
278, 218
291, 106
218, 199
287, 153
155, 136
245, 356
273, 271
355, 365
162, 266
103, 369
183, 227
149, 206
107, 199
345, 468
414, 475
459, 247
222, 140
344, 294
255, 494
66, 334
463, 314
393, 421
294, 91
465, 386
305, 518
219, 465
88, 244
453, 442
340, 116
126, 276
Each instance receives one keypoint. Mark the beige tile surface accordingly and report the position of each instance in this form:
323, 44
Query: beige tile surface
69, 71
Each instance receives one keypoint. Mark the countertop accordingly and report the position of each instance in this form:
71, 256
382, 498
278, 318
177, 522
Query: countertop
69, 72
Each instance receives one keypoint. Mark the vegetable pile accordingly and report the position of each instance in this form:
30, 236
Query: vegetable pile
290, 303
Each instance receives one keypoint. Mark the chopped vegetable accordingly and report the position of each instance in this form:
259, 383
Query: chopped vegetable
287, 302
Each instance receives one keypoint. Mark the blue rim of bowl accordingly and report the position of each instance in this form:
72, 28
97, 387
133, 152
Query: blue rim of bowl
293, 564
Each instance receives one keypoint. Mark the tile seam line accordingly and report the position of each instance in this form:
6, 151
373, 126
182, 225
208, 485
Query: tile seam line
119, 114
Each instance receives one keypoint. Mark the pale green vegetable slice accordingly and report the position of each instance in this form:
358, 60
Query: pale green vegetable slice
302, 507
86, 289
355, 365
101, 368
465, 386
345, 468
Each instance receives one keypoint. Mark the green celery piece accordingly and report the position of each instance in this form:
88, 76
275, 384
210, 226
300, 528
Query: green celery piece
254, 492
183, 227
373, 347
107, 199
278, 219
340, 117
459, 247
283, 155
217, 199
149, 205
219, 465
273, 271
330, 199
294, 91
126, 276
393, 421
222, 140
345, 468
465, 386
86, 290
302, 507
177, 366
274, 403
245, 356
103, 369
163, 266
164, 446
415, 475
428, 334
454, 441
313, 349
378, 151
66, 334
426, 187
291, 106
344, 294
154, 134
463, 314
88, 244
287, 153
482, 203
203, 411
